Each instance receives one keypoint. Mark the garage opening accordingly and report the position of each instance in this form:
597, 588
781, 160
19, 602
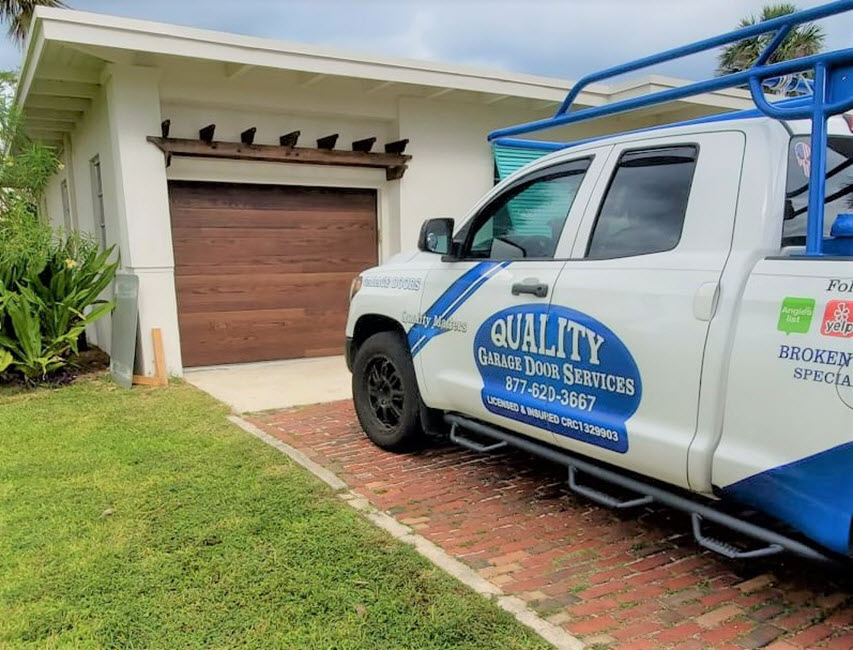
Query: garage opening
262, 272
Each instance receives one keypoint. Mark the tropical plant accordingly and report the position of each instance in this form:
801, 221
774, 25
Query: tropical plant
27, 350
17, 14
43, 316
804, 40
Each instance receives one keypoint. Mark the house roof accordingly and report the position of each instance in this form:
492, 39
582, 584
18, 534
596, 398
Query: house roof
67, 50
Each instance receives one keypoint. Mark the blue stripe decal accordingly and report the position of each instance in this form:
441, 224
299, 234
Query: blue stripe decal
813, 494
450, 301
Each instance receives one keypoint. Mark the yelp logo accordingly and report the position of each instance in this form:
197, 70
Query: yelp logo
838, 319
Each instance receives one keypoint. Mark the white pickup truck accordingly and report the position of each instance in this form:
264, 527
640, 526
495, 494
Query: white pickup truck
642, 308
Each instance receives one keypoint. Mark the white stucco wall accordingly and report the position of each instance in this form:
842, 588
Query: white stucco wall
90, 138
271, 122
133, 113
52, 200
452, 162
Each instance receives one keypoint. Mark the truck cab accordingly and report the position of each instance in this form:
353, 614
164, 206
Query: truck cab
643, 306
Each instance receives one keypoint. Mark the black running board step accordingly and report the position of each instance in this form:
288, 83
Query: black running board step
462, 441
729, 550
657, 493
602, 498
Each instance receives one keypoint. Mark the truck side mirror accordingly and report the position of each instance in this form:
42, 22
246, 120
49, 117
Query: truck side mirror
436, 236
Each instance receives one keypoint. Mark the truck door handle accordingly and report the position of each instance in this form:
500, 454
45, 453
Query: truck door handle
538, 289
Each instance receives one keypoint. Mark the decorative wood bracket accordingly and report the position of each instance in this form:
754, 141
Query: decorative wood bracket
393, 164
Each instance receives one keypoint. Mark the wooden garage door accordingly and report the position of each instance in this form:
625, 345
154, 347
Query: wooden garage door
263, 272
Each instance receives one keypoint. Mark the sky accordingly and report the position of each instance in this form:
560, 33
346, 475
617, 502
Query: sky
557, 38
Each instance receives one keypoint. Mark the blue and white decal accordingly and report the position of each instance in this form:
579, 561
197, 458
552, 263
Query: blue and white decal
813, 494
560, 370
433, 321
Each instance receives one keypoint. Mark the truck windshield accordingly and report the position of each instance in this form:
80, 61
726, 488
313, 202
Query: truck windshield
839, 185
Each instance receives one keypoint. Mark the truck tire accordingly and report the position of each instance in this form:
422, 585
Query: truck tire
385, 392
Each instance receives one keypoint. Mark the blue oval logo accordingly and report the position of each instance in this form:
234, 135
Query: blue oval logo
560, 370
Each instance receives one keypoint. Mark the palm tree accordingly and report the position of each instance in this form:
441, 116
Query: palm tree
18, 13
804, 40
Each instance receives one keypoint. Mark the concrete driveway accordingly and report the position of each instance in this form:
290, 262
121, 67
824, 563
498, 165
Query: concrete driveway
269, 385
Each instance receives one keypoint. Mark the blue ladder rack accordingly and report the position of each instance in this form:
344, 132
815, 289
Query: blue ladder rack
832, 94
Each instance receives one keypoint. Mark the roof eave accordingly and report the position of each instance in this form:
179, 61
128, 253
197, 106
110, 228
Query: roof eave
33, 48
96, 30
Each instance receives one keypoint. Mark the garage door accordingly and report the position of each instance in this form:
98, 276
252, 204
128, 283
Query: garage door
263, 272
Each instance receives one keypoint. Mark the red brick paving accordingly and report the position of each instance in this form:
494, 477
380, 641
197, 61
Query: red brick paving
616, 580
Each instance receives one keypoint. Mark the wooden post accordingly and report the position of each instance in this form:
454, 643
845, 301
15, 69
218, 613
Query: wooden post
160, 378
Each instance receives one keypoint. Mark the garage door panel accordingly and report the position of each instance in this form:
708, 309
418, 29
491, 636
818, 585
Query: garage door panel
273, 266
206, 293
263, 272
243, 336
267, 197
343, 217
362, 200
305, 261
236, 243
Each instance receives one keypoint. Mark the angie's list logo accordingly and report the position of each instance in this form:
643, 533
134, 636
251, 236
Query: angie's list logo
838, 319
796, 315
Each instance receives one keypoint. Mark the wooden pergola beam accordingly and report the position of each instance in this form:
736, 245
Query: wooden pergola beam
393, 164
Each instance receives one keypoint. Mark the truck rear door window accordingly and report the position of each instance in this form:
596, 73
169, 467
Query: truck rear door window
644, 207
839, 185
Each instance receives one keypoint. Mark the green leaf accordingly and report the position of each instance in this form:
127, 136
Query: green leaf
99, 312
5, 359
26, 326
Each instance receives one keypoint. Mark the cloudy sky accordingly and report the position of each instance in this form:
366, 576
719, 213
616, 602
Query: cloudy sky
560, 38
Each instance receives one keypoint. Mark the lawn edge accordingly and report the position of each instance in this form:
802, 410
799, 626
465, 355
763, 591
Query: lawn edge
553, 634
329, 478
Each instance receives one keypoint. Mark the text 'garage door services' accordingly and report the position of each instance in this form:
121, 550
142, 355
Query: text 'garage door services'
263, 271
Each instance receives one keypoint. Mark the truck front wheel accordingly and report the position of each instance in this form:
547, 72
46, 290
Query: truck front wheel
385, 392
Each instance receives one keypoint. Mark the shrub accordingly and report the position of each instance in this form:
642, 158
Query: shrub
43, 315
24, 241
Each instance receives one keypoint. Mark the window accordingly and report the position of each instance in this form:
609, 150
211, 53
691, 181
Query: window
527, 220
644, 208
66, 205
98, 200
839, 186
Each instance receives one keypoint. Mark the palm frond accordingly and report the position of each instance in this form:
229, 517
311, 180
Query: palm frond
804, 40
17, 14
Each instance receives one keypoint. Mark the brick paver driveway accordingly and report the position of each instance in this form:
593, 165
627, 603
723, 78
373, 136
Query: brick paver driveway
616, 580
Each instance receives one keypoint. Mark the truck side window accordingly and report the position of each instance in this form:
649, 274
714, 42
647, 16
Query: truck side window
839, 185
526, 220
644, 207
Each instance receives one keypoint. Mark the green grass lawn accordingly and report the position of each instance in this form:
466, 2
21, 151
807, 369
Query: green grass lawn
143, 519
